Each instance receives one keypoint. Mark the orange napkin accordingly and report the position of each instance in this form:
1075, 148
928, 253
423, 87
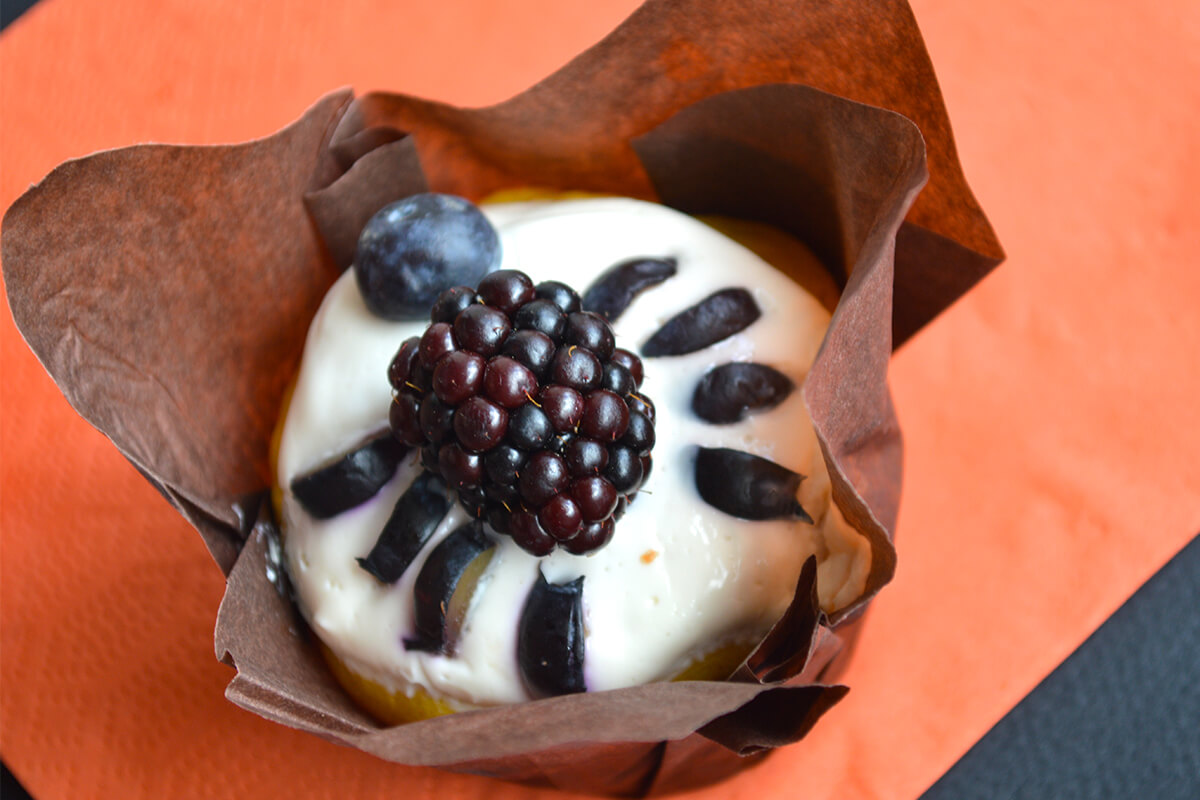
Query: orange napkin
1050, 417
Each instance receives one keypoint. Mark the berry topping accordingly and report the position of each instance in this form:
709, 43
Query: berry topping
458, 376
524, 406
528, 534
563, 296
590, 331
596, 498
405, 419
437, 342
560, 517
530, 428
413, 250
503, 465
460, 468
482, 329
541, 315
436, 419
563, 406
509, 382
543, 477
713, 319
576, 367
452, 302
506, 290
630, 362
592, 536
605, 416
617, 379
639, 436
480, 424
532, 348
613, 291
403, 363
585, 457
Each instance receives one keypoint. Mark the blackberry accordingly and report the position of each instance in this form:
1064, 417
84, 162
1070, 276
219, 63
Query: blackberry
524, 406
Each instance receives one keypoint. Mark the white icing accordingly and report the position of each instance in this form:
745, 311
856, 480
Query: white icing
712, 577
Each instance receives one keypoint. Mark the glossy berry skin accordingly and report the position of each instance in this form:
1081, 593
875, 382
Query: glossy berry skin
458, 376
576, 367
480, 424
413, 250
595, 497
528, 534
403, 362
563, 296
585, 457
437, 418
528, 428
541, 315
630, 362
503, 464
640, 404
591, 537
592, 331
405, 419
451, 303
617, 379
460, 468
509, 382
639, 435
605, 416
437, 341
481, 329
506, 290
544, 476
560, 517
624, 469
532, 348
521, 403
563, 406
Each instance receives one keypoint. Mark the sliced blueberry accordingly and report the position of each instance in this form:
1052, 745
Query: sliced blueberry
443, 588
351, 480
413, 250
747, 486
618, 285
714, 318
731, 392
550, 646
416, 516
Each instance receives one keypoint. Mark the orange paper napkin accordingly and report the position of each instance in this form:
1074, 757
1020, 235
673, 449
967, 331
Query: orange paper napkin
1050, 417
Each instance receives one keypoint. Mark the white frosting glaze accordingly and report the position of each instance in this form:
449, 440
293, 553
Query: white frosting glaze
711, 578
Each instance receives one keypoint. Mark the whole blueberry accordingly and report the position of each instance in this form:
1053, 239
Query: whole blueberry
414, 249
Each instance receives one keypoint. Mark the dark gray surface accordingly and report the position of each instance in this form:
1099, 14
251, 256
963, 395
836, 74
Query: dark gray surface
11, 9
1120, 718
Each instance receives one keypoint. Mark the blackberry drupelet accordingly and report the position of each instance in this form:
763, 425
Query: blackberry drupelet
524, 405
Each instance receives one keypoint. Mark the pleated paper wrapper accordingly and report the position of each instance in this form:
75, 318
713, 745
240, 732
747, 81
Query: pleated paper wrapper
168, 290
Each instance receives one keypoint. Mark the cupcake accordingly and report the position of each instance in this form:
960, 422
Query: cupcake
527, 543
179, 341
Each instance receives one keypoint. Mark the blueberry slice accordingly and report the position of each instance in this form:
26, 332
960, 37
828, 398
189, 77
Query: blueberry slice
414, 519
714, 318
747, 486
731, 392
443, 589
617, 286
414, 249
550, 638
351, 480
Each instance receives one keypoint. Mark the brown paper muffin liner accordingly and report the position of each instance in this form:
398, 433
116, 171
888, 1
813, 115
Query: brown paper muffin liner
168, 290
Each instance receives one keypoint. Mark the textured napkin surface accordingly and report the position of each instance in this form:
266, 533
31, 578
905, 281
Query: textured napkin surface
1049, 417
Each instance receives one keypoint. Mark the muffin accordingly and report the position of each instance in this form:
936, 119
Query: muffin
702, 556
